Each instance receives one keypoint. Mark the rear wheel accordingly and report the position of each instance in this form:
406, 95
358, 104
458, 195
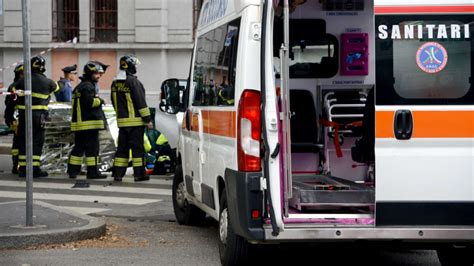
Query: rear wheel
456, 256
233, 249
185, 212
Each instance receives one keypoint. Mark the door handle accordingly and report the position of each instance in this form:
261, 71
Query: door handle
403, 124
188, 120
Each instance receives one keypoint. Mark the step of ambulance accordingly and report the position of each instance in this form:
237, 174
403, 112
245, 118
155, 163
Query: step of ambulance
313, 191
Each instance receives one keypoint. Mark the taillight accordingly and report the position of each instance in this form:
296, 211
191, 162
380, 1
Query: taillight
248, 131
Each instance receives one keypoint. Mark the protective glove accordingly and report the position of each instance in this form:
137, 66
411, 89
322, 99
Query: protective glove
14, 125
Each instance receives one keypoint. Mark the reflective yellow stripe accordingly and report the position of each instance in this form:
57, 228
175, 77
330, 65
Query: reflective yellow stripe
35, 157
131, 109
121, 162
91, 161
34, 107
15, 152
96, 103
146, 143
164, 158
87, 125
82, 128
137, 162
130, 122
119, 159
24, 164
39, 95
75, 160
144, 112
78, 109
161, 140
228, 101
57, 87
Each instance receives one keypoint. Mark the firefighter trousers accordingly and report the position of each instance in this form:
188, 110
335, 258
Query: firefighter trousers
38, 139
86, 141
15, 150
130, 138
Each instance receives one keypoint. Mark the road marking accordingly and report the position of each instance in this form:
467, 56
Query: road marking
84, 210
101, 188
78, 198
128, 180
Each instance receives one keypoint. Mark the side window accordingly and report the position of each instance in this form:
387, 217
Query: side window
424, 59
215, 66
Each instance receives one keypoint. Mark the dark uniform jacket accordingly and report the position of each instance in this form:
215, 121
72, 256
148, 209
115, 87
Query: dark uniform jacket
41, 90
9, 110
11, 88
128, 98
87, 111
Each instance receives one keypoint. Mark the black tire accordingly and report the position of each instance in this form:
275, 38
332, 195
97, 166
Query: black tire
233, 249
456, 256
185, 212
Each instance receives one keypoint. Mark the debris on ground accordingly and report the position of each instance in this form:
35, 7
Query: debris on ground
111, 239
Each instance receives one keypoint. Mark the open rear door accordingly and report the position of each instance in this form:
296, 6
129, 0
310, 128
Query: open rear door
424, 116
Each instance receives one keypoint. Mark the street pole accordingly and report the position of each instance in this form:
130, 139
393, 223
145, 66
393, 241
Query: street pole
25, 10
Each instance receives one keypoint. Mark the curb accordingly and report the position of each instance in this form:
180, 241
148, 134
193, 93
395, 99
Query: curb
95, 228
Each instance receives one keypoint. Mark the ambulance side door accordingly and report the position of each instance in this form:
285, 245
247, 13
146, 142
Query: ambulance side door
194, 135
424, 143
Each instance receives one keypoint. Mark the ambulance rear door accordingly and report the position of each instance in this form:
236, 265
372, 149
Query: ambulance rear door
424, 116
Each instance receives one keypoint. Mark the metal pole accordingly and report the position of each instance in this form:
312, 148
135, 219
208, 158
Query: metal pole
25, 9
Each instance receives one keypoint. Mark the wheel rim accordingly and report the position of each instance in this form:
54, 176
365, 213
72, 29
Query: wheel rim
180, 196
223, 224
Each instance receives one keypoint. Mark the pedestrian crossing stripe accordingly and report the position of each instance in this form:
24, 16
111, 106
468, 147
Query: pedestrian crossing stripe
85, 210
128, 180
79, 198
92, 187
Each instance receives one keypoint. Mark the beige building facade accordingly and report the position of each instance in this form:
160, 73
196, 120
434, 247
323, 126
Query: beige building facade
158, 32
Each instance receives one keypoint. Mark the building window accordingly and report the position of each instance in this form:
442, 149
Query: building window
65, 20
103, 20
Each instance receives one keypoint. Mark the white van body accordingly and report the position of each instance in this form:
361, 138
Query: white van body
249, 159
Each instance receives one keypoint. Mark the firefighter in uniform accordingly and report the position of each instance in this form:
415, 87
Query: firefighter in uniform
87, 120
42, 88
14, 124
133, 114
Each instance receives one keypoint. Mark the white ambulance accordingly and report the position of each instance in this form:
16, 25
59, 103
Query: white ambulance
330, 120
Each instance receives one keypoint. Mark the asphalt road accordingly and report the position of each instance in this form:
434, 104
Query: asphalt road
143, 231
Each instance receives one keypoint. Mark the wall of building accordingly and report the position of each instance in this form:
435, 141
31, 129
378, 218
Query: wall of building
158, 32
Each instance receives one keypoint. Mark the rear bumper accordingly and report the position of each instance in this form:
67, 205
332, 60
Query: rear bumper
417, 235
243, 197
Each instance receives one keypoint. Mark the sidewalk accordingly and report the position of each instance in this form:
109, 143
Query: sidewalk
51, 225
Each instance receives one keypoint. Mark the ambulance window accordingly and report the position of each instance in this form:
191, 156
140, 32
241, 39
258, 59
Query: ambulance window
215, 66
313, 52
424, 59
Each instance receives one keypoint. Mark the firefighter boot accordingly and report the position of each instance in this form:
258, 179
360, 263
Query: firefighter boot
139, 174
142, 178
37, 172
93, 173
